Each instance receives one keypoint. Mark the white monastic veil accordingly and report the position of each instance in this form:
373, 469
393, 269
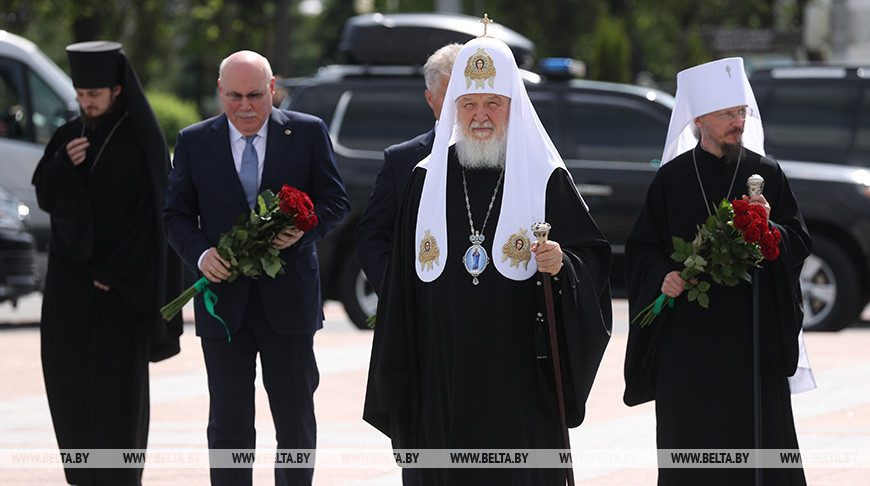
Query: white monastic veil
715, 86
531, 158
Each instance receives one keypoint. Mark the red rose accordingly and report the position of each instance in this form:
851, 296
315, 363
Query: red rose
741, 221
752, 233
305, 222
304, 203
776, 234
768, 239
294, 201
759, 210
286, 192
770, 252
285, 205
740, 206
762, 227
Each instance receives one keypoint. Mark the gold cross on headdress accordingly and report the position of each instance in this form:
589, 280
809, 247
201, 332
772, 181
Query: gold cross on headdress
485, 21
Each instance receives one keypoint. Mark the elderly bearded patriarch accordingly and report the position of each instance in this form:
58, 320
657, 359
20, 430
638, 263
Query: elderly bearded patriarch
480, 145
460, 358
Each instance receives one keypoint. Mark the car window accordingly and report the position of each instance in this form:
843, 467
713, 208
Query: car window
809, 117
49, 111
374, 120
615, 132
862, 133
545, 107
13, 107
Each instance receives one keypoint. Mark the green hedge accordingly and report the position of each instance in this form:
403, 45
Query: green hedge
172, 113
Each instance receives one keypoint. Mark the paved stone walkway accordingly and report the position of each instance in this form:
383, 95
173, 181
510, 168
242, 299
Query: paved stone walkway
613, 446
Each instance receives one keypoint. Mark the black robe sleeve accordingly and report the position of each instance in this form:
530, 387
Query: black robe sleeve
646, 266
781, 314
61, 193
583, 301
393, 376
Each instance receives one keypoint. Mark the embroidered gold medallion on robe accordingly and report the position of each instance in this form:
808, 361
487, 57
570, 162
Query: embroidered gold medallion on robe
517, 248
428, 251
479, 69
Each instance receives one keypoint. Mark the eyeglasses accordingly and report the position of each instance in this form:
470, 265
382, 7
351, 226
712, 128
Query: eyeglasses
730, 116
252, 97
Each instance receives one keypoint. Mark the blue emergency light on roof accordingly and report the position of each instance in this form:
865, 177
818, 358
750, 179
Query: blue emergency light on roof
562, 67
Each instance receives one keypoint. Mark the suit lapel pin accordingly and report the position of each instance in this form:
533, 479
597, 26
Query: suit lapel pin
287, 132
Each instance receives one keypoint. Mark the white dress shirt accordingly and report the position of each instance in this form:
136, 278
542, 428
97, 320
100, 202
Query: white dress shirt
237, 145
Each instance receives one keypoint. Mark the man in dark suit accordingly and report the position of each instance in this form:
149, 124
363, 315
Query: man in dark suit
374, 233
220, 166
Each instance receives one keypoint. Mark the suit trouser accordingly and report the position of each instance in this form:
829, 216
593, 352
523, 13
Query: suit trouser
290, 377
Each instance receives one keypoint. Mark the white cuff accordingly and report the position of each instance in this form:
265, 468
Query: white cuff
199, 261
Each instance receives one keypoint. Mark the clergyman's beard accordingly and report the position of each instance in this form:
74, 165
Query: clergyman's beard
482, 153
732, 152
95, 121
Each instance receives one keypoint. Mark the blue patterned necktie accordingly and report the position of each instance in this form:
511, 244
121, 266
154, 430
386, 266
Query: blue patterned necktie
248, 172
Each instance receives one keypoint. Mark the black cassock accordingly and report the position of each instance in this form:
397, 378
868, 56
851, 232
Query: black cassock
456, 366
696, 363
96, 345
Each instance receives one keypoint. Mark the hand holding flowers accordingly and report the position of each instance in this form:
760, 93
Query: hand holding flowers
253, 246
730, 242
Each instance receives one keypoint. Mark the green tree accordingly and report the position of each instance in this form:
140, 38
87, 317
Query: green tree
172, 113
611, 53
177, 45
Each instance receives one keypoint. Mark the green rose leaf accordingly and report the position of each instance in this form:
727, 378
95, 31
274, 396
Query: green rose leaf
271, 265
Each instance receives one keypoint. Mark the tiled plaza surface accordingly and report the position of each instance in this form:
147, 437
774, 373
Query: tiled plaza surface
834, 418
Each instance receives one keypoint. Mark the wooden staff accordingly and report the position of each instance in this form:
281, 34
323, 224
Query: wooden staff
541, 232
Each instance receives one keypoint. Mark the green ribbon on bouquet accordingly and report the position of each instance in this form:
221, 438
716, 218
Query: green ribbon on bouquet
661, 302
210, 299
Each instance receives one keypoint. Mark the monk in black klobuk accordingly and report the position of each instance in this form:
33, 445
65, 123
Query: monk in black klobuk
102, 180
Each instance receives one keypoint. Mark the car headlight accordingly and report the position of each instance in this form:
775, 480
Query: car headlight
10, 214
24, 213
861, 177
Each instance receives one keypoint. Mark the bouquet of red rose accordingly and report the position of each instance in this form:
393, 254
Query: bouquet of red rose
726, 246
248, 245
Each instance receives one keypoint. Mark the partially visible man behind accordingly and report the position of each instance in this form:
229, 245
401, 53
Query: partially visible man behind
374, 233
220, 166
460, 358
697, 363
102, 180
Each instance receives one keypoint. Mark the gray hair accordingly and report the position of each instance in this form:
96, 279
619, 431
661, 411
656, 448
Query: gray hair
249, 56
440, 64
